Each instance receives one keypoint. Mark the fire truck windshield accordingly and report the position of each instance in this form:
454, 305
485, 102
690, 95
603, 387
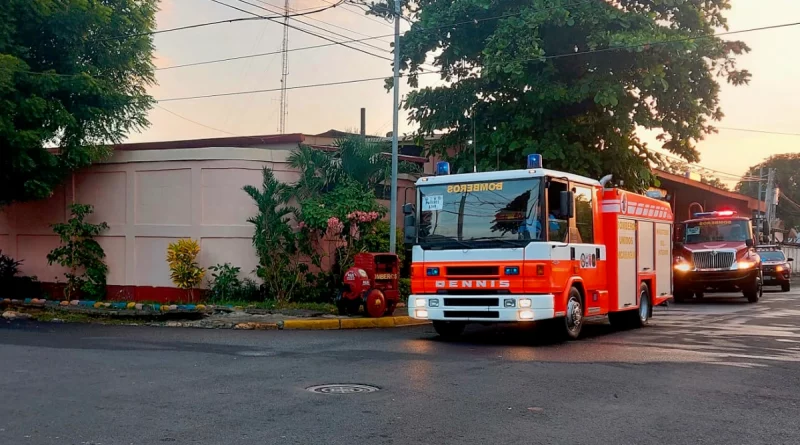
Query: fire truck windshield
481, 214
726, 230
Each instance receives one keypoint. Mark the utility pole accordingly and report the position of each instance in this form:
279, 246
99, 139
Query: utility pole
395, 127
759, 216
285, 69
770, 198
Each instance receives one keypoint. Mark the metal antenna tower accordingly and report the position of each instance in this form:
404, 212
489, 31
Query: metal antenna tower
285, 69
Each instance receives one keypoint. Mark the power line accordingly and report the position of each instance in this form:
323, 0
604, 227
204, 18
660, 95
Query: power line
759, 131
319, 27
272, 90
194, 122
218, 22
572, 54
450, 25
275, 20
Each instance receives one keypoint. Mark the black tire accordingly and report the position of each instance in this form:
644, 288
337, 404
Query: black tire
681, 296
570, 326
786, 287
754, 292
449, 330
634, 318
699, 295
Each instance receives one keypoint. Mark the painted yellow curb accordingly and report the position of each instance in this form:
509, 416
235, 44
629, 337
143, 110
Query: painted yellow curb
311, 324
408, 321
365, 323
353, 323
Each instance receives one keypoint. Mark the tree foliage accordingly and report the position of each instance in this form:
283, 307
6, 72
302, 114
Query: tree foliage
81, 254
571, 80
70, 83
787, 179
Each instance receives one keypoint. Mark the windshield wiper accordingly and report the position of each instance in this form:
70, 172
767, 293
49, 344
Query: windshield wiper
443, 242
499, 240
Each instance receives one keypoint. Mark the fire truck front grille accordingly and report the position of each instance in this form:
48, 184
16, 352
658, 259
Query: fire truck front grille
471, 314
713, 259
478, 271
471, 301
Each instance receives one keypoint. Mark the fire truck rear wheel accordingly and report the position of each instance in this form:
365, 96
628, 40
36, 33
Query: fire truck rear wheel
786, 287
449, 330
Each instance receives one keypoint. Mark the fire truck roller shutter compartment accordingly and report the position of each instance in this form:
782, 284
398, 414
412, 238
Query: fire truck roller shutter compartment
663, 260
628, 286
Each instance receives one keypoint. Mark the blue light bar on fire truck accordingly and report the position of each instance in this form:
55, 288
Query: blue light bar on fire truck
534, 161
442, 168
721, 213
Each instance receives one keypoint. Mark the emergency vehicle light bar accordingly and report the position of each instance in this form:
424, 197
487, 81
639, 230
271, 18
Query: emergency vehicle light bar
534, 161
442, 168
713, 214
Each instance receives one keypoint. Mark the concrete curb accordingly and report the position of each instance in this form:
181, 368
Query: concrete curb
351, 323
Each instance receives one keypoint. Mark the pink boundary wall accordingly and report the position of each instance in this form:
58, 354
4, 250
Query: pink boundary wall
150, 198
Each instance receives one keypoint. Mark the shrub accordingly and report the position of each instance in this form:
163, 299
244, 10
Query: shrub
182, 259
280, 249
81, 254
404, 286
225, 285
12, 285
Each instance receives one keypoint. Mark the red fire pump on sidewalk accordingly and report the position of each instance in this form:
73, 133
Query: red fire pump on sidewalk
372, 282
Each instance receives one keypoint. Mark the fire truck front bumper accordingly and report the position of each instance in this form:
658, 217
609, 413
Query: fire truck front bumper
482, 308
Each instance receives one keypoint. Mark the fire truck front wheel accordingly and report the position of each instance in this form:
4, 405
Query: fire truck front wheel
448, 330
569, 327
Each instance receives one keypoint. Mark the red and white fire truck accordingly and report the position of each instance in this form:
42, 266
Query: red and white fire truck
535, 245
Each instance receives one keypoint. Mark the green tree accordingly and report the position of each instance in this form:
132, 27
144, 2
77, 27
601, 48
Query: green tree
81, 254
571, 80
73, 78
787, 179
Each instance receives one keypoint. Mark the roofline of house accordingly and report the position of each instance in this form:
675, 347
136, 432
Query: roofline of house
751, 202
234, 141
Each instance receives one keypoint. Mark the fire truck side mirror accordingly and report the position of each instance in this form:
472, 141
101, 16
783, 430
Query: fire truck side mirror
567, 207
749, 242
409, 230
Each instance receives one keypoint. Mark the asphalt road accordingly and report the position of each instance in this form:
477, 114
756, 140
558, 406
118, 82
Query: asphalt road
720, 371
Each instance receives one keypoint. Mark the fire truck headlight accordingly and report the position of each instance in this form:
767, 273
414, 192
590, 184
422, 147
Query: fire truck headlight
433, 302
421, 313
509, 302
432, 272
683, 267
778, 268
512, 270
526, 315
419, 302
524, 302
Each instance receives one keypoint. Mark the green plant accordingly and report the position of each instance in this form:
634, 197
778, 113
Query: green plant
225, 285
279, 248
404, 286
81, 254
12, 285
182, 259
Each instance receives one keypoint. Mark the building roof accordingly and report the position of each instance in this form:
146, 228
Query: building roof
234, 141
667, 177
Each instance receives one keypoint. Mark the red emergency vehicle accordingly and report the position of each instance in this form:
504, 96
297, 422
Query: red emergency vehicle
535, 245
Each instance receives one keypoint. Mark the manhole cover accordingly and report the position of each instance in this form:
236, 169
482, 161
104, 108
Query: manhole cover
342, 388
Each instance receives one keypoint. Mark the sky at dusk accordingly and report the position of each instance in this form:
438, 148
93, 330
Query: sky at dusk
769, 103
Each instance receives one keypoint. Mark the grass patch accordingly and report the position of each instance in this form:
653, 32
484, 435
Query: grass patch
278, 306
